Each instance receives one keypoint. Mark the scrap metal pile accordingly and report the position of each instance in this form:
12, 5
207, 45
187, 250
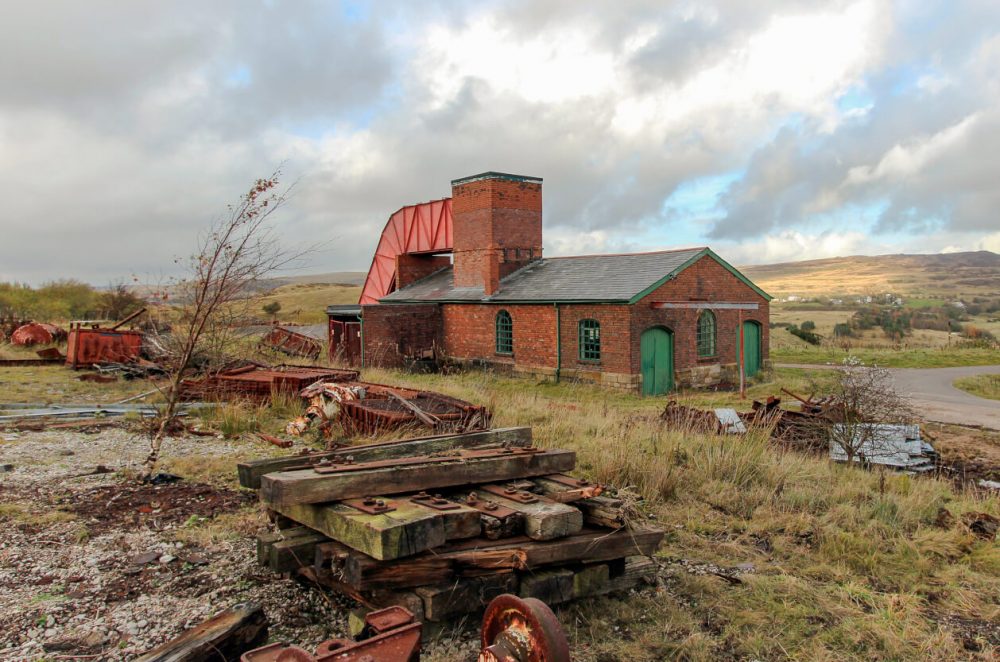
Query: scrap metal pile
304, 341
363, 408
805, 428
257, 383
809, 428
443, 524
513, 630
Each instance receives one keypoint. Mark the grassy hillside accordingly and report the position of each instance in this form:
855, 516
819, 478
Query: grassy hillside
940, 276
306, 303
340, 277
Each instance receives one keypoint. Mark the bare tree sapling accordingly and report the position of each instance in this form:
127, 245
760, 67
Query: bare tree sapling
239, 250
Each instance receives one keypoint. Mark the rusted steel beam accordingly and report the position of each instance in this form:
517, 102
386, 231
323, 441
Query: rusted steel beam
389, 635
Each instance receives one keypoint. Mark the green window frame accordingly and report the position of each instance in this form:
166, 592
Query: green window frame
504, 333
706, 333
590, 340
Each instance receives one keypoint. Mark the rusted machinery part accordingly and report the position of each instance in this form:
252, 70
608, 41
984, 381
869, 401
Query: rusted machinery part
389, 635
514, 630
522, 630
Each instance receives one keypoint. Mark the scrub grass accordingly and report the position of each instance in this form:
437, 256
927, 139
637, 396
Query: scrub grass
984, 386
941, 357
847, 564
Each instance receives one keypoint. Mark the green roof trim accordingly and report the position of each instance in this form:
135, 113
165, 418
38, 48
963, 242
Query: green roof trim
704, 252
491, 174
736, 272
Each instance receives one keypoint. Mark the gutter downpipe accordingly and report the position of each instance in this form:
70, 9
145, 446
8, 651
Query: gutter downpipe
558, 343
362, 320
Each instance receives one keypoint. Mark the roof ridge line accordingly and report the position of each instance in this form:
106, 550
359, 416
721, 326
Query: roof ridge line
668, 250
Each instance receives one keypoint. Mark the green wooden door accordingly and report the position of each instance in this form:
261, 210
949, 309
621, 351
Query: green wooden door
751, 341
657, 351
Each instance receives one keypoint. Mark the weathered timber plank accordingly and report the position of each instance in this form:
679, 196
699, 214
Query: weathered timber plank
591, 580
407, 530
638, 570
306, 486
220, 638
250, 471
469, 558
365, 573
602, 511
465, 596
544, 519
264, 542
550, 586
563, 493
587, 546
287, 555
460, 522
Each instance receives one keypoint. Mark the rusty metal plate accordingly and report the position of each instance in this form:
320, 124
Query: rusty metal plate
434, 501
371, 505
327, 466
511, 493
576, 488
487, 507
389, 618
568, 481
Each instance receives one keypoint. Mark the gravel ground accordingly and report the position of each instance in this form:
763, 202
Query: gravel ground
82, 574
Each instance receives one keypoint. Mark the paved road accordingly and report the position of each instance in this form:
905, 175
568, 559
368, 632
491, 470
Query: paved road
936, 399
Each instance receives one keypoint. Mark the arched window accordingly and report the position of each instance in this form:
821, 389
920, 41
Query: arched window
590, 340
505, 333
706, 333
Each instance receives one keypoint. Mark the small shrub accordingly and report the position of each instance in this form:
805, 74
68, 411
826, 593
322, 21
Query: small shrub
808, 336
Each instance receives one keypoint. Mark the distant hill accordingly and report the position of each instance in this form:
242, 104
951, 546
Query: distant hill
939, 275
331, 278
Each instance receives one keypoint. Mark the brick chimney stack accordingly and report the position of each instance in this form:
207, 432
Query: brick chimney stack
497, 227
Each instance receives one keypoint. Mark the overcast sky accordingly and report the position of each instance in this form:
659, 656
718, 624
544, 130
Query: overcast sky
771, 131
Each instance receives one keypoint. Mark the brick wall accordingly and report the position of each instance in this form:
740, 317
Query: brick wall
394, 332
704, 280
616, 352
411, 268
470, 334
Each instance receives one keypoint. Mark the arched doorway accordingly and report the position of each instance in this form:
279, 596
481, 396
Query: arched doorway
656, 349
751, 343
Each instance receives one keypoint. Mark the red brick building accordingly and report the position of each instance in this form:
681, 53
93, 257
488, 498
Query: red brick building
644, 321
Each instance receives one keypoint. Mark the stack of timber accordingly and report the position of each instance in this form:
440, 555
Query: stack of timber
443, 524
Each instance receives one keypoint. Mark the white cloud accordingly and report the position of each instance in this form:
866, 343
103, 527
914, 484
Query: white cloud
906, 160
792, 245
796, 64
545, 68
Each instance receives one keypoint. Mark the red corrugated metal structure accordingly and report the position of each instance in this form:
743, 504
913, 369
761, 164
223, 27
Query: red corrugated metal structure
423, 229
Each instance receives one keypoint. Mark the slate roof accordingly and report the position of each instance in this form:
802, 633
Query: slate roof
597, 278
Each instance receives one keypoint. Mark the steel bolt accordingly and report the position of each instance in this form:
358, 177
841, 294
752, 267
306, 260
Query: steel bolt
369, 501
489, 505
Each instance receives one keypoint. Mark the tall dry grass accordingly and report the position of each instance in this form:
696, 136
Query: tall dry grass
847, 564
